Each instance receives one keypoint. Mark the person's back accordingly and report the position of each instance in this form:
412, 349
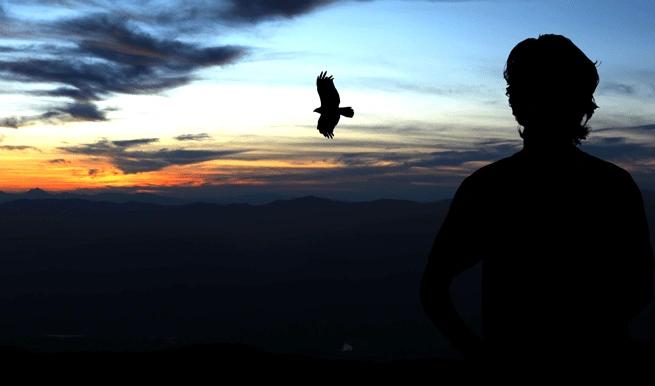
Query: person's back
563, 240
564, 249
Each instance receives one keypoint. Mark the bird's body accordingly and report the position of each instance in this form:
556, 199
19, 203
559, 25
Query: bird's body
329, 110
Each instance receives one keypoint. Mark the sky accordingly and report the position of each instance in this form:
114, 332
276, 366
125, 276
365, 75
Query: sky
216, 98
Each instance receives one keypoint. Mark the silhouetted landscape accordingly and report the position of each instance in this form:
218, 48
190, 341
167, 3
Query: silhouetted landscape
306, 276
314, 189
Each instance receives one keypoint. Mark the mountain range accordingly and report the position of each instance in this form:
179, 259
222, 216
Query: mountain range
306, 275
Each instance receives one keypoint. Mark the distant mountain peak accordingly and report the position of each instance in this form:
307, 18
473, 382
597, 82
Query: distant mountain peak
304, 201
36, 192
310, 198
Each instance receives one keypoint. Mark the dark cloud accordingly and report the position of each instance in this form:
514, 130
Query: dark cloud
258, 10
111, 39
618, 88
619, 149
236, 12
371, 158
137, 161
80, 111
194, 137
642, 86
485, 152
93, 172
108, 56
18, 148
69, 112
632, 148
622, 131
399, 172
12, 122
239, 12
16, 122
60, 161
644, 128
67, 92
135, 142
362, 180
195, 13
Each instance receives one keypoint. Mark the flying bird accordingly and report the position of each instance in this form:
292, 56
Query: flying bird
329, 110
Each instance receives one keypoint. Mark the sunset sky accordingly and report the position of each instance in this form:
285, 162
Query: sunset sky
215, 98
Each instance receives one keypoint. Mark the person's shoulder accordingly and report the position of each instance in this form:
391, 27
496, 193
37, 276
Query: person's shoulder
491, 173
610, 171
492, 170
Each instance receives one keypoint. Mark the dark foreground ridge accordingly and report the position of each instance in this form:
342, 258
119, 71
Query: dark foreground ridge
217, 361
197, 362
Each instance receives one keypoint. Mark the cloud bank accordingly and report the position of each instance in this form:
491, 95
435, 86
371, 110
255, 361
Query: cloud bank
122, 155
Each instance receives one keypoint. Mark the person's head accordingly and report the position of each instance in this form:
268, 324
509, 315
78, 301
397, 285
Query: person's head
550, 85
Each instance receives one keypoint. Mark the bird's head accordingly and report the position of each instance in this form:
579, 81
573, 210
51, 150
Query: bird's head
318, 110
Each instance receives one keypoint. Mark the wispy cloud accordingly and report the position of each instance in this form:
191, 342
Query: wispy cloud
618, 88
641, 84
134, 142
234, 13
69, 112
58, 161
120, 154
619, 149
100, 55
18, 148
194, 137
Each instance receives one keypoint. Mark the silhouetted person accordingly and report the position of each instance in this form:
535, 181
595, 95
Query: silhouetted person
329, 110
562, 235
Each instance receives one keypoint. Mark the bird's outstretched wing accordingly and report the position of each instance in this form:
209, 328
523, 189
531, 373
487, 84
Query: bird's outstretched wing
326, 90
326, 124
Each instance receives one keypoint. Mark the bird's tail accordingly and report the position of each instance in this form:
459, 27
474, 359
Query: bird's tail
347, 111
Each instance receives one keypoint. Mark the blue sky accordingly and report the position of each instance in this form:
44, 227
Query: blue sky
215, 98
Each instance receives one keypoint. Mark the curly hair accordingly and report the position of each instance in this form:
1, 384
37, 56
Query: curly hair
550, 85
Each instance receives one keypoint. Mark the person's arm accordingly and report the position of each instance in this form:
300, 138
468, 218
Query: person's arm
638, 254
451, 254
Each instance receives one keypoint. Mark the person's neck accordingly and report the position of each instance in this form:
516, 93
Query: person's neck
547, 139
548, 146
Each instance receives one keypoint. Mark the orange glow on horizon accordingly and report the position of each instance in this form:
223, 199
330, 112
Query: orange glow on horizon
22, 170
